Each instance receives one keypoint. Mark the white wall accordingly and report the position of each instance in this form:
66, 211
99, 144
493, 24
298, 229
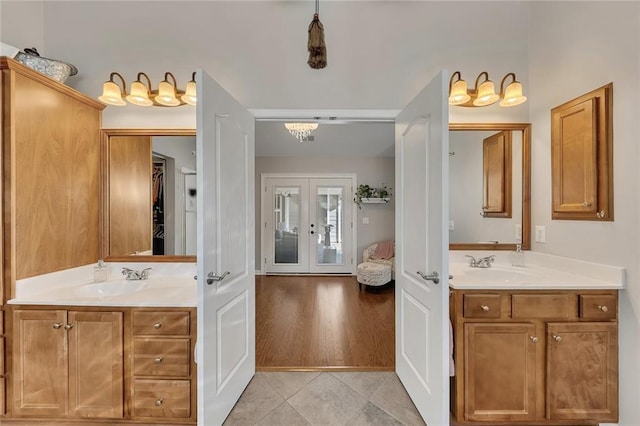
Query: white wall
575, 48
22, 25
373, 171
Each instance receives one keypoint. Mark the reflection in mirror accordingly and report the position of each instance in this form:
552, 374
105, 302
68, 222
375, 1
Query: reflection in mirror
489, 186
150, 203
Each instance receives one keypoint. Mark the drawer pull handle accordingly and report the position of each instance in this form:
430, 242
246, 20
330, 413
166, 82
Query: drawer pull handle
157, 325
57, 325
68, 327
159, 402
534, 339
484, 308
557, 338
158, 360
603, 308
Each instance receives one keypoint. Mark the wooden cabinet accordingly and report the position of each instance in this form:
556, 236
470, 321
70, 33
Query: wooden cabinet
535, 357
496, 175
67, 364
164, 377
582, 157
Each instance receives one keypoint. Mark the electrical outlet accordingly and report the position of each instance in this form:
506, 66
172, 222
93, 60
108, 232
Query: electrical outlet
365, 220
452, 226
518, 232
541, 234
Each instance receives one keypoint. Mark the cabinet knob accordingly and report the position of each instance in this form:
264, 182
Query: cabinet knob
57, 325
159, 402
603, 308
157, 325
557, 338
158, 360
484, 308
601, 214
534, 339
586, 204
68, 326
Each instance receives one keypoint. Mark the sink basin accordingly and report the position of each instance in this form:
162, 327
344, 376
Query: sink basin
501, 275
109, 288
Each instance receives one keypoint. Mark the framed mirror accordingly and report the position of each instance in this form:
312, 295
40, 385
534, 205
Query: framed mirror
149, 195
489, 186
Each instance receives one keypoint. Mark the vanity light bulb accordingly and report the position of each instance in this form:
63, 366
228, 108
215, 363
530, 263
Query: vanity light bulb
139, 94
486, 94
167, 94
190, 93
111, 94
513, 95
459, 93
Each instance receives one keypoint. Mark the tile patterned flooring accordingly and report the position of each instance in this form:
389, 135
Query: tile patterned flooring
324, 398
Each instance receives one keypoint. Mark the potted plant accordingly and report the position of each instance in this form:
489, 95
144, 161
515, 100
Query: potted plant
368, 194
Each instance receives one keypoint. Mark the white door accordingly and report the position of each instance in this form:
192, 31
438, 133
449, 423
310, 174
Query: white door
226, 284
422, 310
308, 224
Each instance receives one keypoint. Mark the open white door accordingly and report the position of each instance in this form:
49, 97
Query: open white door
422, 250
225, 351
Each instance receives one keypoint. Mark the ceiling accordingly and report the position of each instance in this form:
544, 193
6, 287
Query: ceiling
351, 139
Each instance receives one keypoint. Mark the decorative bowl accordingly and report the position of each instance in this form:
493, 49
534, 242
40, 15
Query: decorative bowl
53, 68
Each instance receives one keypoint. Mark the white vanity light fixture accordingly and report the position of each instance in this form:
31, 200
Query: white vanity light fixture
484, 94
142, 94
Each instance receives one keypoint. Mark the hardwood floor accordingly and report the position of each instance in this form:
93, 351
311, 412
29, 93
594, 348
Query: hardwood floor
323, 323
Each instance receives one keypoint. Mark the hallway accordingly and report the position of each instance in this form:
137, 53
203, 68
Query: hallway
323, 323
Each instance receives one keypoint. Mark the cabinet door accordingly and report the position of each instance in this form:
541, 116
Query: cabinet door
582, 371
95, 364
500, 371
39, 363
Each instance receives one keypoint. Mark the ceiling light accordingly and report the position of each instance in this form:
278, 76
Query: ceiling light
301, 130
142, 94
483, 93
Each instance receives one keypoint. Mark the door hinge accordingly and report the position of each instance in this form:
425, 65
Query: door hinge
352, 260
265, 225
265, 260
265, 189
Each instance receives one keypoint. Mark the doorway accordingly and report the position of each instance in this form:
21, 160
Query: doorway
308, 224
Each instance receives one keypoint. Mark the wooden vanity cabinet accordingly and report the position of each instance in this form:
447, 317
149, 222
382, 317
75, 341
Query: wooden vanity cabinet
163, 384
67, 363
535, 357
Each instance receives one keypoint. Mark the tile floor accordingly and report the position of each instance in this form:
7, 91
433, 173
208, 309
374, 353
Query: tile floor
323, 398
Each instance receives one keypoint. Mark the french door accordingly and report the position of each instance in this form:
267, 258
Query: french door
308, 224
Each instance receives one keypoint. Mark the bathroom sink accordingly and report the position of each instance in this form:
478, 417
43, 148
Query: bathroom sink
109, 288
501, 275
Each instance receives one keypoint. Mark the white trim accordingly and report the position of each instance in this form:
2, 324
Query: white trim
341, 115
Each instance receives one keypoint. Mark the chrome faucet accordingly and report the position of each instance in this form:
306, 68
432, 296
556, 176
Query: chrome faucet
131, 274
481, 262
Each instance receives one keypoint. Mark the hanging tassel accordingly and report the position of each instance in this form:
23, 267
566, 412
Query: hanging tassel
316, 47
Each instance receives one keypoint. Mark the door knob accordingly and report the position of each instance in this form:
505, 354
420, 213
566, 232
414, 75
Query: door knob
431, 277
211, 277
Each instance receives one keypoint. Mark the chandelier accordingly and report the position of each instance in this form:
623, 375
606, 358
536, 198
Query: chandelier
301, 131
485, 94
141, 93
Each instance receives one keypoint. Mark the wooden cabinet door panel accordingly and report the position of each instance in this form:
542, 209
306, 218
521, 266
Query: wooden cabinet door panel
582, 371
96, 388
39, 363
496, 175
500, 371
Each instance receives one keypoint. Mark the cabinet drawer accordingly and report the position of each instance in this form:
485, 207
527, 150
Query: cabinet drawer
540, 306
162, 398
161, 357
598, 306
481, 306
161, 323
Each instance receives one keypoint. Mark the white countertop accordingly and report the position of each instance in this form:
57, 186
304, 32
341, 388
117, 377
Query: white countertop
169, 285
541, 272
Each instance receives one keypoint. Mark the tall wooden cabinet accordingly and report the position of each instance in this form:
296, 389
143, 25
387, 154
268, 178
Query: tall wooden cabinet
546, 357
50, 159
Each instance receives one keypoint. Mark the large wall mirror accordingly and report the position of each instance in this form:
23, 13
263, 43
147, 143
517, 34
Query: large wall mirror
489, 186
149, 195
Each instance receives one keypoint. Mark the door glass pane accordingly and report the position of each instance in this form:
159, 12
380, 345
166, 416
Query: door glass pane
286, 222
329, 220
